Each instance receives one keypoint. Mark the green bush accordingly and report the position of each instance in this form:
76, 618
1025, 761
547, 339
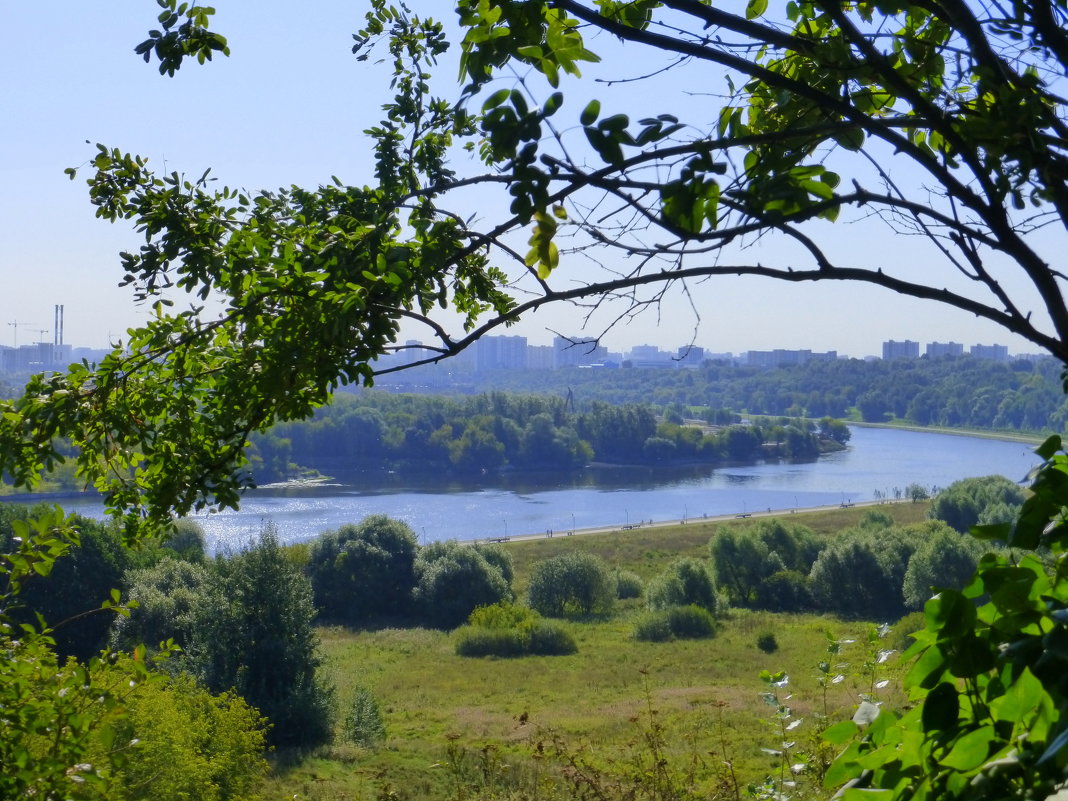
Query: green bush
167, 596
363, 574
572, 584
190, 744
506, 630
653, 627
685, 582
478, 641
550, 639
502, 616
767, 643
363, 723
452, 580
690, 622
785, 591
628, 585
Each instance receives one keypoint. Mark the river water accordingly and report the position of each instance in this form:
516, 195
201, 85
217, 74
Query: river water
878, 460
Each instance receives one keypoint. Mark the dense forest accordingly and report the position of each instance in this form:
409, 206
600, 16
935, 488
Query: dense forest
959, 391
489, 432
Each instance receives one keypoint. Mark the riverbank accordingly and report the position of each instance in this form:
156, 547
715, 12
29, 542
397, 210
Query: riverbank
655, 525
978, 433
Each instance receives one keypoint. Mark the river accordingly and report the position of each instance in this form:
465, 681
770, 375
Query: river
878, 460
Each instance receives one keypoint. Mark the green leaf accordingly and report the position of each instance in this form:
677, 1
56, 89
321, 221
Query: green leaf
1048, 449
950, 613
496, 99
850, 138
755, 8
971, 750
841, 732
941, 708
590, 113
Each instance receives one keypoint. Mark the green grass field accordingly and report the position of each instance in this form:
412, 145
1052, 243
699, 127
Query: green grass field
495, 728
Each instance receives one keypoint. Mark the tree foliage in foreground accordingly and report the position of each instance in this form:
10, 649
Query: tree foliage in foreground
987, 677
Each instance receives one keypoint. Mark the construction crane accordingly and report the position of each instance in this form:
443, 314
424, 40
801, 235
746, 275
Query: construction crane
40, 333
15, 324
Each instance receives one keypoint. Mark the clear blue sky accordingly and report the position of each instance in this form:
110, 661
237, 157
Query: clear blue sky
288, 107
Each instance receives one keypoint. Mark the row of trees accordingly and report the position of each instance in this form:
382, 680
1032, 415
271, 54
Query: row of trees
487, 432
874, 571
947, 391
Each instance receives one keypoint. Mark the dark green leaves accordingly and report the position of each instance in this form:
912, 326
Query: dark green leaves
184, 33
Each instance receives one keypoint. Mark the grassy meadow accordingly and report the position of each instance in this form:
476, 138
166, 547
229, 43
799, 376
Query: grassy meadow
687, 714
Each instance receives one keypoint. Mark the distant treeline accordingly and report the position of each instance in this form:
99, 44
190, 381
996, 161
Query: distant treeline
496, 430
958, 391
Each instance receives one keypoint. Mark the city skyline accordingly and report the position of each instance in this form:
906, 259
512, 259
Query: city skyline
516, 352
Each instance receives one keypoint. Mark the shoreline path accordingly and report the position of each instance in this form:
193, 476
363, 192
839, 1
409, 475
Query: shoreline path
686, 521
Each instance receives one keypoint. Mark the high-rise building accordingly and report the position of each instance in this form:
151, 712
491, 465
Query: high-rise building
996, 353
651, 356
691, 356
936, 349
501, 353
781, 357
540, 357
576, 352
901, 350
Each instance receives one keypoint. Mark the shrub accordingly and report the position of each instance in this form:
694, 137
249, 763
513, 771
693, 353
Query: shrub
572, 584
253, 634
453, 580
965, 503
502, 616
690, 622
550, 639
860, 574
785, 591
191, 744
653, 627
187, 540
478, 641
900, 638
767, 643
363, 723
167, 596
685, 582
364, 573
628, 585
944, 560
507, 630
